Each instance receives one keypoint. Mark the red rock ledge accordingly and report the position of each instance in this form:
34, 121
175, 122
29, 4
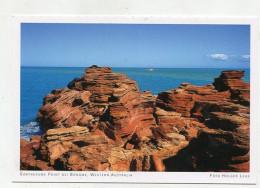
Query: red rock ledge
102, 122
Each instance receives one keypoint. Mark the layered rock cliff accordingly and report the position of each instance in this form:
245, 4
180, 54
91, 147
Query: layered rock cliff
102, 122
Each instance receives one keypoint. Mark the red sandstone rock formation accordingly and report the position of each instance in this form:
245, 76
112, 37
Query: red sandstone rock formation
102, 122
223, 145
232, 81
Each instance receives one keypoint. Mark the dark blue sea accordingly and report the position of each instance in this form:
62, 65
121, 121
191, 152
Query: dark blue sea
36, 82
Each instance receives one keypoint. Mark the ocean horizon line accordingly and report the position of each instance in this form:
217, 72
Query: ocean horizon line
139, 67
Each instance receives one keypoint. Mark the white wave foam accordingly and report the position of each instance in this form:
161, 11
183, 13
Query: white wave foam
27, 130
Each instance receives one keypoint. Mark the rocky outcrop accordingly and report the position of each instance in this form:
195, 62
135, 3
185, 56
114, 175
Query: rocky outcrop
102, 122
232, 81
29, 153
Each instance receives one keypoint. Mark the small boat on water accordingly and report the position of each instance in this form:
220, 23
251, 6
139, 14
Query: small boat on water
150, 69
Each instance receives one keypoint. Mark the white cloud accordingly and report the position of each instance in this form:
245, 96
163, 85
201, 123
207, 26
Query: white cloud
222, 57
244, 57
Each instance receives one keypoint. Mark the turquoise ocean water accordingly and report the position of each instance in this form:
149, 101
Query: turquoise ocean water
36, 82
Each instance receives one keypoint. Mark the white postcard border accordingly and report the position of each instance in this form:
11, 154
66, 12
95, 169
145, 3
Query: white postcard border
137, 177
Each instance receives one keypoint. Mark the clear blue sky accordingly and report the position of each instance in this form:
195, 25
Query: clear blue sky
135, 45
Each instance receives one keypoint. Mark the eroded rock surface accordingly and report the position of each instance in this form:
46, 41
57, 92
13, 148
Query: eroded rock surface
102, 122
